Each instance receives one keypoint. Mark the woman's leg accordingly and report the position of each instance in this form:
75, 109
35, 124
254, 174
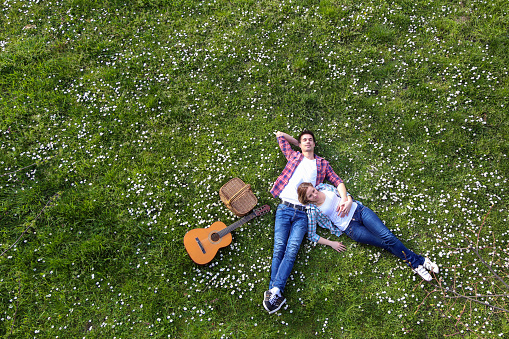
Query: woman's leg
367, 228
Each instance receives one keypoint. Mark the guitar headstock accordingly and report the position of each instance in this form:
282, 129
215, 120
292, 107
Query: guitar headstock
262, 210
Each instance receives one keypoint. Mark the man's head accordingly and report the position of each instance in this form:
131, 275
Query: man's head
304, 132
307, 141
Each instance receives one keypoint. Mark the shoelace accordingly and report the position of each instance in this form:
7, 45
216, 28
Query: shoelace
273, 298
430, 266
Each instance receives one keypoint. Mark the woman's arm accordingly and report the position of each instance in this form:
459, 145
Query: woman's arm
288, 138
315, 217
338, 246
312, 214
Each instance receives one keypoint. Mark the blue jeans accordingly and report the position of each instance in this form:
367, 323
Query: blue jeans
290, 228
367, 228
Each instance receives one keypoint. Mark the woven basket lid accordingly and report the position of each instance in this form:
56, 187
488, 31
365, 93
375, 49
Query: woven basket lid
241, 203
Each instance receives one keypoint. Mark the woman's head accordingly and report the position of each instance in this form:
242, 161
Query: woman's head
303, 194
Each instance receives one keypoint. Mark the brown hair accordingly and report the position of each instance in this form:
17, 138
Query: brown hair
302, 192
307, 132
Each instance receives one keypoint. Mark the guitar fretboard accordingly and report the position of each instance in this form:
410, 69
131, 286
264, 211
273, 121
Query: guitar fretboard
236, 224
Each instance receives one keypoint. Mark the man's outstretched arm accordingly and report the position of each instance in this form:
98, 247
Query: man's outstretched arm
346, 201
288, 138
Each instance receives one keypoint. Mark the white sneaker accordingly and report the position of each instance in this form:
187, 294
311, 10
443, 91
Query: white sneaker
430, 265
423, 273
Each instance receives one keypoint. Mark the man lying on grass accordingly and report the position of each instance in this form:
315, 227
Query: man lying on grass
339, 213
291, 219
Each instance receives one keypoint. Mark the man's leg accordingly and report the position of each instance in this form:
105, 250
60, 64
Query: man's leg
290, 229
282, 229
282, 267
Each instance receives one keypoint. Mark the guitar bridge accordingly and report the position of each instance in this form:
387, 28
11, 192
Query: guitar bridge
200, 244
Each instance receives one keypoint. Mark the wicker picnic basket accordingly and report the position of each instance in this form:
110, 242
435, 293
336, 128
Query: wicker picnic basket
238, 197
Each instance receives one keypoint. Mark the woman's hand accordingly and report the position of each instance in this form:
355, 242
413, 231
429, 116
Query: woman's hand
338, 246
344, 207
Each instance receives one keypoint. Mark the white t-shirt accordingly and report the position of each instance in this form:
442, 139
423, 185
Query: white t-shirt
329, 207
305, 172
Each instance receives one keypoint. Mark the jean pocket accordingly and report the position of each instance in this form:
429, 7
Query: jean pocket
349, 232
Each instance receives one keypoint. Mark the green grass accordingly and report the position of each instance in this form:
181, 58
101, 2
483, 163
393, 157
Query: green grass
119, 122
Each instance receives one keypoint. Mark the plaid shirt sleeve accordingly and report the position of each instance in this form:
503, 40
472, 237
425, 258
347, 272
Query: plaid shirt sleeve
326, 187
332, 176
285, 147
315, 216
325, 171
294, 158
312, 220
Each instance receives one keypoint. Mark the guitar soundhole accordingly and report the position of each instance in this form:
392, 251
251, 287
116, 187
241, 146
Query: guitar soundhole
214, 237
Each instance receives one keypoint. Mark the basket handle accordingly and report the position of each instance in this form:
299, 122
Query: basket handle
236, 195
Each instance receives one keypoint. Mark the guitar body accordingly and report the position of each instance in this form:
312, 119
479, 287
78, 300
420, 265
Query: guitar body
202, 244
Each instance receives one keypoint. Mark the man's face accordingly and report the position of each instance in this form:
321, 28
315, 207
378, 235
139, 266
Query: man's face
307, 143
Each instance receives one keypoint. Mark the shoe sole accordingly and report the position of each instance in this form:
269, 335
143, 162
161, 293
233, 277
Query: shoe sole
265, 307
423, 278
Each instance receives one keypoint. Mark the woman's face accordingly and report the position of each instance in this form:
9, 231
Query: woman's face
312, 194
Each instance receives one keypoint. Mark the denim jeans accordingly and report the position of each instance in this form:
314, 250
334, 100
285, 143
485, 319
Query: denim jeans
367, 228
290, 228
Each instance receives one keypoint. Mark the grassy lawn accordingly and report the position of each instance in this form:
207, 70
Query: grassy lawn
120, 121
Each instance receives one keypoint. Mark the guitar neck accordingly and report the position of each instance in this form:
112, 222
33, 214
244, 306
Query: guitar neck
236, 224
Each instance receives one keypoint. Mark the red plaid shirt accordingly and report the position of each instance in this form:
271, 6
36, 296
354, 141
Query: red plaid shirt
323, 168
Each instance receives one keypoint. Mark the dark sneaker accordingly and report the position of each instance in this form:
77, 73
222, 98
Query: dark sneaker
266, 297
274, 302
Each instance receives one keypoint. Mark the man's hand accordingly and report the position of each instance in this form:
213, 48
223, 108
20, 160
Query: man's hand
338, 246
344, 207
288, 138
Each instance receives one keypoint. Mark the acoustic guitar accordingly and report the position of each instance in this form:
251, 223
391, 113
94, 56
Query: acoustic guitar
202, 244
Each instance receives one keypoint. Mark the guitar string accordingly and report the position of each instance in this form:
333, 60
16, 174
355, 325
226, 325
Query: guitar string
233, 226
242, 221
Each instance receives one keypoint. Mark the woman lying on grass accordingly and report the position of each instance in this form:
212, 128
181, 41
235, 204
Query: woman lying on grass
359, 223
